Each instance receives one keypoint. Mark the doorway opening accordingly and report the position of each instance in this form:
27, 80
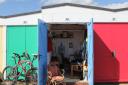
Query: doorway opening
69, 48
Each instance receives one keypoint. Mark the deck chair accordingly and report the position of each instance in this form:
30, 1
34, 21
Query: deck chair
55, 75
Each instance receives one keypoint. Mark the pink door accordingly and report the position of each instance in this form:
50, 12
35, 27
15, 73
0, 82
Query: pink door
110, 52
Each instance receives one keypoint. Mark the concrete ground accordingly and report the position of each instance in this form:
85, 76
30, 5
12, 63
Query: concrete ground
67, 83
34, 83
18, 83
111, 83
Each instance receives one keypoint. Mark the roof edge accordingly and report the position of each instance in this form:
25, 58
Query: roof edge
84, 6
29, 13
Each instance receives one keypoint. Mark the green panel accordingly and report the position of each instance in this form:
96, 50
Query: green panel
15, 42
32, 41
21, 39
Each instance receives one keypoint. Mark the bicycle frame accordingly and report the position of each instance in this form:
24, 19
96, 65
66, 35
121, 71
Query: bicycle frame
19, 64
23, 68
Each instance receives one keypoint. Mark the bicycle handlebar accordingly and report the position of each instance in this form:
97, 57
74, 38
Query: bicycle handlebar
16, 55
26, 55
36, 56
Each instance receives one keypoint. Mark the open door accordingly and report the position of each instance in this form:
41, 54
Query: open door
90, 53
42, 50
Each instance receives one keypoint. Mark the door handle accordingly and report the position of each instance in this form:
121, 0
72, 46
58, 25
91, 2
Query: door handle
114, 53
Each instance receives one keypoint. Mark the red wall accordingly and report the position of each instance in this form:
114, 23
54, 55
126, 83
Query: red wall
108, 38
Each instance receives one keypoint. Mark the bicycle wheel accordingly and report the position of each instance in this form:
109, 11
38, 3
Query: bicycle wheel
23, 67
32, 74
9, 73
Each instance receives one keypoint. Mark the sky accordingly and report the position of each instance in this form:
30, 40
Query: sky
12, 7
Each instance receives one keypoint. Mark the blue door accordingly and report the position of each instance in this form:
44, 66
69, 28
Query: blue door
90, 53
42, 50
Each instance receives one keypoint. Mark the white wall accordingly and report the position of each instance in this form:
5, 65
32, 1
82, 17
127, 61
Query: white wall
31, 19
78, 15
1, 21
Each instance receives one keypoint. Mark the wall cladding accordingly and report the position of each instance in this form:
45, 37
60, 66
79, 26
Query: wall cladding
108, 39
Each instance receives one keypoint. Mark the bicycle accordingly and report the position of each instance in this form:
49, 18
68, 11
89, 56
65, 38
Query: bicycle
31, 74
13, 73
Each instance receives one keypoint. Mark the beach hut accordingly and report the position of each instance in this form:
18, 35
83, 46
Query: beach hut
71, 24
106, 44
21, 35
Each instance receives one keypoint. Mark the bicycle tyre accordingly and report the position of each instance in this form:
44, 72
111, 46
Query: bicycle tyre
31, 74
8, 73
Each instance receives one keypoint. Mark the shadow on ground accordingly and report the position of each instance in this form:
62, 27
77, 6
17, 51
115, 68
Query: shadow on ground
111, 83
